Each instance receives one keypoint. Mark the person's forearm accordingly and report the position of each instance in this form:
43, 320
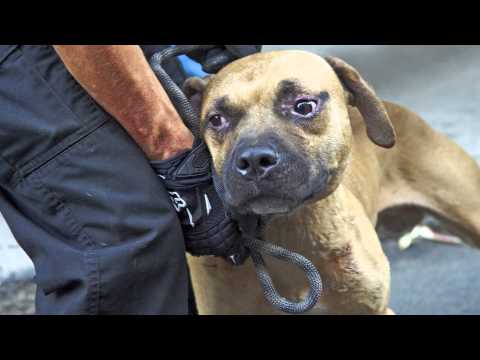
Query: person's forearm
119, 78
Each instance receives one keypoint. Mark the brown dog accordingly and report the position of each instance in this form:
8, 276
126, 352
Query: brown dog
306, 142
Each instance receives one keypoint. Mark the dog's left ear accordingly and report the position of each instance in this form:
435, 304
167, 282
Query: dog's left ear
194, 88
379, 128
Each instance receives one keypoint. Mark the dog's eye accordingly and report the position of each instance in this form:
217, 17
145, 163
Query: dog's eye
218, 122
305, 107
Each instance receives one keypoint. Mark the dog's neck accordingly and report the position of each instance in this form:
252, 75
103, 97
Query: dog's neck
312, 228
313, 231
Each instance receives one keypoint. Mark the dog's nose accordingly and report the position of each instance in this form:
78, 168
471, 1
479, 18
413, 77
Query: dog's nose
256, 162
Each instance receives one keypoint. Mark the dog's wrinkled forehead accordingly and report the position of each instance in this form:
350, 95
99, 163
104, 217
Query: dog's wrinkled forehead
261, 78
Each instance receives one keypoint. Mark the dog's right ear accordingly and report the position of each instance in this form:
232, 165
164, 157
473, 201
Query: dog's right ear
194, 89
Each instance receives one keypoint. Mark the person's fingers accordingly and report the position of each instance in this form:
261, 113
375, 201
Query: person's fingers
217, 59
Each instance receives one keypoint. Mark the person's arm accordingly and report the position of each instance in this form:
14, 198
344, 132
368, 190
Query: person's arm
120, 79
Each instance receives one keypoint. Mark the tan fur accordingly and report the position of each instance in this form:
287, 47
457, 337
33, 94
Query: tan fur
336, 232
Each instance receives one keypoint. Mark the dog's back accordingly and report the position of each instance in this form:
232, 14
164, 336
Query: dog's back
424, 168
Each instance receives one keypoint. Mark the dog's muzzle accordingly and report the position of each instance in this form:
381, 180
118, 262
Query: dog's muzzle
265, 176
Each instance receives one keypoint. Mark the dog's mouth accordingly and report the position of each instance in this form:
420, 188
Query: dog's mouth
268, 204
251, 200
265, 205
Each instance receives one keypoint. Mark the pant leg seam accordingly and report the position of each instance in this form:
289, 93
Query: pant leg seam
77, 230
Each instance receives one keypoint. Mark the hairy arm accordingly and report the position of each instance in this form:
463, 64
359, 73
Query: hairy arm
120, 79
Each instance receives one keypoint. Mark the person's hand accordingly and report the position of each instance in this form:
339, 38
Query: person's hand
214, 59
207, 229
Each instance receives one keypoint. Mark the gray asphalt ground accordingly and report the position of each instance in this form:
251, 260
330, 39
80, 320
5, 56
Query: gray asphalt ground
442, 84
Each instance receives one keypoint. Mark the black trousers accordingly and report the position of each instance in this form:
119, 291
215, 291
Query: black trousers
81, 198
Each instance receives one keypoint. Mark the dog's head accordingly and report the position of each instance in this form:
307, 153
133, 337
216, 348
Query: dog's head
278, 128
